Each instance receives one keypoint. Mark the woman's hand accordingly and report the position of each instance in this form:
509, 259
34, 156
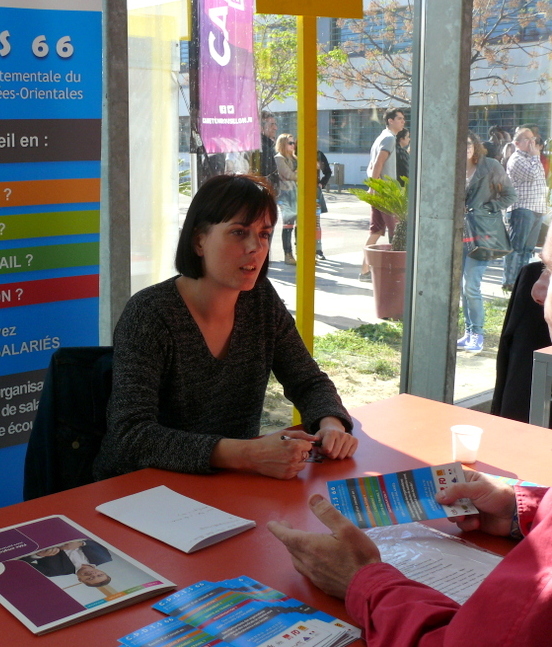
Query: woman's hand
494, 499
336, 442
328, 560
268, 455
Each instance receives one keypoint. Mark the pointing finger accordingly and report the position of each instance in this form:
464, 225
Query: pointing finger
281, 530
327, 514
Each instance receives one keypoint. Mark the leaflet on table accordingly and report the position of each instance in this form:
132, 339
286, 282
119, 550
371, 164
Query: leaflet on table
170, 631
175, 519
47, 581
175, 633
236, 617
312, 632
446, 563
245, 613
400, 497
253, 588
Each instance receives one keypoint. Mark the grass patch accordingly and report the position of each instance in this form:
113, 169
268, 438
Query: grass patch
365, 362
385, 332
360, 361
368, 349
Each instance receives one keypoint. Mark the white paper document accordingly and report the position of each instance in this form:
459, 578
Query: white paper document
175, 519
444, 562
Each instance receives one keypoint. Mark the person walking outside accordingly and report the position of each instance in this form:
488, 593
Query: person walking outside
526, 172
286, 162
383, 162
488, 189
268, 135
403, 156
324, 173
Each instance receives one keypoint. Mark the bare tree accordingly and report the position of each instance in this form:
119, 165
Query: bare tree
509, 40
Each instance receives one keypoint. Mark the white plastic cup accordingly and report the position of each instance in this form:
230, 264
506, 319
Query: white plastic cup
465, 442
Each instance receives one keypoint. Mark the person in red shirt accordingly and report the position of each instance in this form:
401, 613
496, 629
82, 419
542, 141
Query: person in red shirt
511, 608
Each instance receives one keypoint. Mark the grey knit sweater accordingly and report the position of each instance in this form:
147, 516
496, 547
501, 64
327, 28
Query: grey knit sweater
172, 401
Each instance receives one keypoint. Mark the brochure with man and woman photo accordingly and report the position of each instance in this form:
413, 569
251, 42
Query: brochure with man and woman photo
53, 573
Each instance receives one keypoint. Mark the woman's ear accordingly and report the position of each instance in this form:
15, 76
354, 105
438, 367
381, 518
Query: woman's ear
197, 241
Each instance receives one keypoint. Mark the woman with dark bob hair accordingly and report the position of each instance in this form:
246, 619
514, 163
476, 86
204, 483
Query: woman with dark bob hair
193, 354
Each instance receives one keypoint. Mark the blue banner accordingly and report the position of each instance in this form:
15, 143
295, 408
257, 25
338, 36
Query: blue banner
50, 138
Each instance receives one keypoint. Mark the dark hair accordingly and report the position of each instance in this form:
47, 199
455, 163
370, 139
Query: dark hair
219, 200
478, 149
498, 134
392, 113
401, 134
493, 150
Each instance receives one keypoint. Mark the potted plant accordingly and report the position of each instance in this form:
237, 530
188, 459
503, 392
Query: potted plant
388, 262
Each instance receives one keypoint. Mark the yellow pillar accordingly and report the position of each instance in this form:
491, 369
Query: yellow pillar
307, 11
306, 213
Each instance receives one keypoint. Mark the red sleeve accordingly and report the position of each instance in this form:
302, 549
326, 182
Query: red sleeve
528, 500
510, 608
396, 611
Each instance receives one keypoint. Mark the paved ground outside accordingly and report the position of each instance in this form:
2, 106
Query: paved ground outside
342, 301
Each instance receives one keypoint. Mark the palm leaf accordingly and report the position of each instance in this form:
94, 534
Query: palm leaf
387, 195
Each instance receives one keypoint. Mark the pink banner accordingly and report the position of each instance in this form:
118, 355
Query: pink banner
228, 118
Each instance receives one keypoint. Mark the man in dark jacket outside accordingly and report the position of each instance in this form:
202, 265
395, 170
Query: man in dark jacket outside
269, 128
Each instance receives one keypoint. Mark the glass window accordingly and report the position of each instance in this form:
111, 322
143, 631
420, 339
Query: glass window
509, 86
354, 131
388, 30
184, 134
287, 122
154, 54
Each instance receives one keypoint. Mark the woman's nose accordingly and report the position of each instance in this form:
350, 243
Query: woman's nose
255, 242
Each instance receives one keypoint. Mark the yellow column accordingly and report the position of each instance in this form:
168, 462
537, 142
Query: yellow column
307, 138
306, 12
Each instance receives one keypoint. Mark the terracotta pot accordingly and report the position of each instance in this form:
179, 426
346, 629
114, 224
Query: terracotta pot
388, 279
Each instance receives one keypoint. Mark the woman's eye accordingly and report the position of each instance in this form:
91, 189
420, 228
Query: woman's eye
266, 234
238, 232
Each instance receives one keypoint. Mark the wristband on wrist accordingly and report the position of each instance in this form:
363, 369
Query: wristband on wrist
515, 531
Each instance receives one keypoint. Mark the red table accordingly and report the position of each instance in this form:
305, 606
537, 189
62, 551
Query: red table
403, 432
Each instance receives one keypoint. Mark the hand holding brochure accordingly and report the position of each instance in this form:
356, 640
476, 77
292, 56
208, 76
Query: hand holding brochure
175, 519
400, 497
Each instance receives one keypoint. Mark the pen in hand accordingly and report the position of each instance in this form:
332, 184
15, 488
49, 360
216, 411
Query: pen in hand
315, 443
